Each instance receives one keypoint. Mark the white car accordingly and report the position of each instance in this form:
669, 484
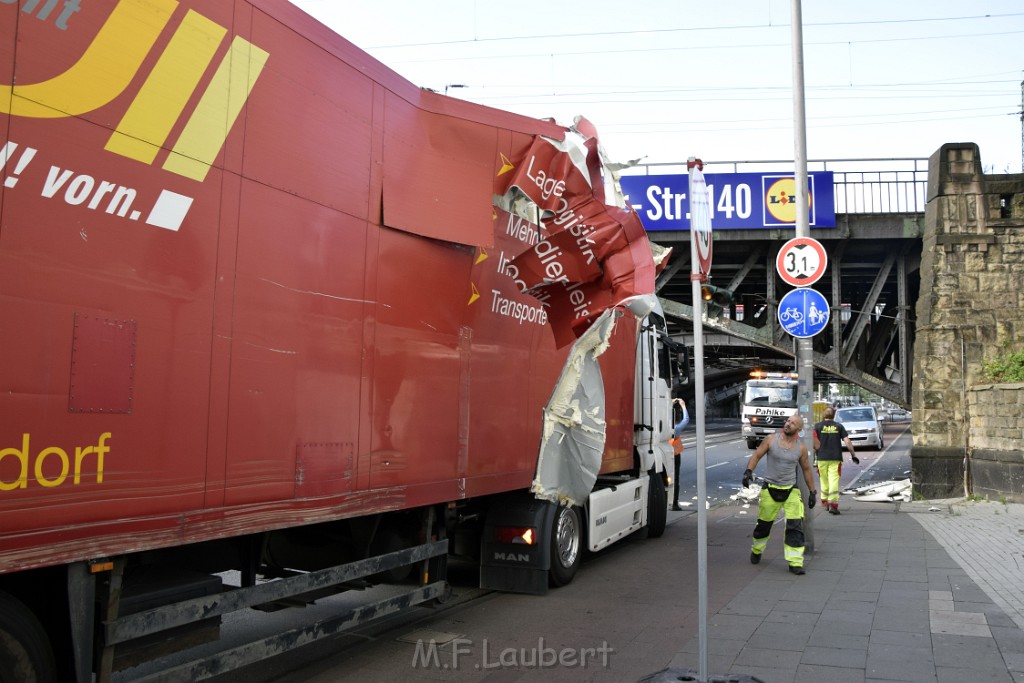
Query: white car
863, 426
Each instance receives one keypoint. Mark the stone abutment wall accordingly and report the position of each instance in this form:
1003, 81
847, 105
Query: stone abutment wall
996, 444
971, 309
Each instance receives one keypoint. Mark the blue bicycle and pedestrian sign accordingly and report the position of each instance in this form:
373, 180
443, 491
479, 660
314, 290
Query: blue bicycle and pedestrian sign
803, 312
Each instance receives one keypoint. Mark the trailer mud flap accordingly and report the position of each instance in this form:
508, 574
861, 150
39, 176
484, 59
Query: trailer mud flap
515, 550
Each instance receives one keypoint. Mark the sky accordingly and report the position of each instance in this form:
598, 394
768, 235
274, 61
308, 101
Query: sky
664, 80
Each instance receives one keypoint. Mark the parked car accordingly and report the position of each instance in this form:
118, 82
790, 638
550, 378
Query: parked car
863, 425
899, 415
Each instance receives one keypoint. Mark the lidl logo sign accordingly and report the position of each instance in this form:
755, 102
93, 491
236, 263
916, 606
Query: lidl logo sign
780, 200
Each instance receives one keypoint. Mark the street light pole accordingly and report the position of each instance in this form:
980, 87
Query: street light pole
804, 349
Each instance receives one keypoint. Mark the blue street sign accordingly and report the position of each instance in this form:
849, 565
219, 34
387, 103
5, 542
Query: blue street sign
803, 312
737, 200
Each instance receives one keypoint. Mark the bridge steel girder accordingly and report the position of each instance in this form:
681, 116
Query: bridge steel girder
857, 247
903, 334
836, 321
669, 272
897, 392
850, 345
741, 274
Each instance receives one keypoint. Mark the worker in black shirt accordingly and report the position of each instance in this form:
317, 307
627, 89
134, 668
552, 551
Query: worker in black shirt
829, 437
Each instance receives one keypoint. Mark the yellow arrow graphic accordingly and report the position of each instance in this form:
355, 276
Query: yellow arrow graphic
506, 165
475, 295
481, 257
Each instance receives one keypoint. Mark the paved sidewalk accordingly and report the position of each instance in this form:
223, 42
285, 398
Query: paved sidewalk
987, 540
928, 591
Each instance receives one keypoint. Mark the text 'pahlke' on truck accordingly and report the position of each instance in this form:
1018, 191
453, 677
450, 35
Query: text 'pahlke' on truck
769, 398
271, 311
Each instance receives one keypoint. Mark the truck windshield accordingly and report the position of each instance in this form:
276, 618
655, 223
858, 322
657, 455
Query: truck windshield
778, 394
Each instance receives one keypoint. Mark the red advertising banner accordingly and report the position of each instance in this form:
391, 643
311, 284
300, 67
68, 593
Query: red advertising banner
594, 255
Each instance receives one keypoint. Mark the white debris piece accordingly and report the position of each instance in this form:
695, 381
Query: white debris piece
892, 491
750, 493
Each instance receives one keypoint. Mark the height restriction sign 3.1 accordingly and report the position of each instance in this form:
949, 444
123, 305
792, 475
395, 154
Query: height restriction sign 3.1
801, 261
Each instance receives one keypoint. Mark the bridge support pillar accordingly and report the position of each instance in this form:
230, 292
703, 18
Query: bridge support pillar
938, 472
969, 313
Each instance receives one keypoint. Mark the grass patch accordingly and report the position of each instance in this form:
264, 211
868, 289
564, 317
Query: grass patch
1006, 368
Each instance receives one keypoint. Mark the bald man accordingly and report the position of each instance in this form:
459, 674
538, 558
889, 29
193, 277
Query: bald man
785, 452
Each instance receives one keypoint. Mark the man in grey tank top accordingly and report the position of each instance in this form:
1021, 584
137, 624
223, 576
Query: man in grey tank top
785, 452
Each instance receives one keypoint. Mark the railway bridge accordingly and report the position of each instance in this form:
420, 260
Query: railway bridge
926, 286
872, 281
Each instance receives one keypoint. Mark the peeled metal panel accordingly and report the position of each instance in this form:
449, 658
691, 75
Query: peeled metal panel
438, 173
102, 365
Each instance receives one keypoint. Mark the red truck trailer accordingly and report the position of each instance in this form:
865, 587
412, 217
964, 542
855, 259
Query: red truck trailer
263, 313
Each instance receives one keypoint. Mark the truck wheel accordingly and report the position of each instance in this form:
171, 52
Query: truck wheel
25, 653
566, 545
751, 444
657, 506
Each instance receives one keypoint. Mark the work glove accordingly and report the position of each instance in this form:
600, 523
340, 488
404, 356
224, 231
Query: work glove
748, 476
855, 459
812, 498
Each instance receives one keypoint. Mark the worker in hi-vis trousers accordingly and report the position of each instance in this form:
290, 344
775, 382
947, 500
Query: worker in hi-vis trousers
829, 437
785, 451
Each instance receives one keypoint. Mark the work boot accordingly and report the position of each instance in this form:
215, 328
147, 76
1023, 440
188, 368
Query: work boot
676, 508
754, 558
799, 571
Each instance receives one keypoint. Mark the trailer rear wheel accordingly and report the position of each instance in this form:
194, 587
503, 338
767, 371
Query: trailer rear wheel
25, 653
657, 506
566, 545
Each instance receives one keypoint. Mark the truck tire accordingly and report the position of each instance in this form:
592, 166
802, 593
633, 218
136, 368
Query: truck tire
657, 506
752, 443
25, 652
566, 545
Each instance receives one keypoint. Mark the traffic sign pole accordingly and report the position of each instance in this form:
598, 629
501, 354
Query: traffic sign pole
804, 351
700, 266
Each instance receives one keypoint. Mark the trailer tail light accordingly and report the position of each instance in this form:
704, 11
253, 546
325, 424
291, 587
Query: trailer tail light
517, 535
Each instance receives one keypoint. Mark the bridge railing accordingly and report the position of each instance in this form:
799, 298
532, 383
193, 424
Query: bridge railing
860, 185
